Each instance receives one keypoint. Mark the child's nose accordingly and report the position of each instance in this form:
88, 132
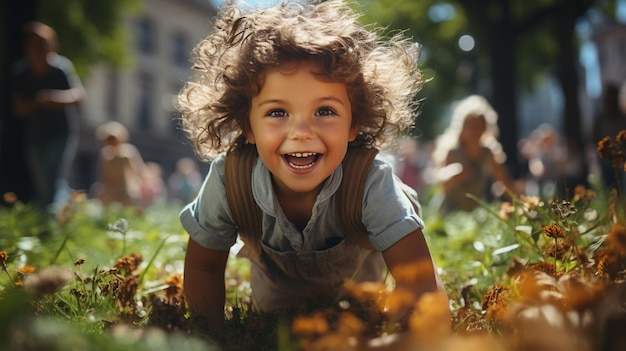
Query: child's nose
300, 127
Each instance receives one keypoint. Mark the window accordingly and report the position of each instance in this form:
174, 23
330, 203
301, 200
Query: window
145, 33
112, 99
145, 101
180, 50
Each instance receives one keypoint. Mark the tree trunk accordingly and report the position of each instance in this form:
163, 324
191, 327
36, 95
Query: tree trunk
504, 85
567, 75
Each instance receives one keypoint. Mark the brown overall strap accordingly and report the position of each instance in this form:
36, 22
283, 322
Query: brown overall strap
238, 182
349, 196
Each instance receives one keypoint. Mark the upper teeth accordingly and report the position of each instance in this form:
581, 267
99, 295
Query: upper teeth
302, 154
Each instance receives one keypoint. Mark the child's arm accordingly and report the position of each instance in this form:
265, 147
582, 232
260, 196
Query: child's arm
412, 252
204, 282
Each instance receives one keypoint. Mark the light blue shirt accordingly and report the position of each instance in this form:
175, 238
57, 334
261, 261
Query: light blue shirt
388, 215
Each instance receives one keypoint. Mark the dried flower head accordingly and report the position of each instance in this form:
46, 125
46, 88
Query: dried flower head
611, 151
4, 256
47, 281
582, 193
616, 238
175, 286
621, 138
562, 209
607, 149
608, 263
128, 264
553, 231
558, 250
120, 226
495, 304
545, 267
79, 262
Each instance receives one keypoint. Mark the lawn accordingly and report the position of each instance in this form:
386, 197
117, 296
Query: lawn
530, 274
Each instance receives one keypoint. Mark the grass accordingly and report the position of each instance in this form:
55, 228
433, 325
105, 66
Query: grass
533, 273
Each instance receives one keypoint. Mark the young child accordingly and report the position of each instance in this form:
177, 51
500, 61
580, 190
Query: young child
468, 155
301, 85
120, 165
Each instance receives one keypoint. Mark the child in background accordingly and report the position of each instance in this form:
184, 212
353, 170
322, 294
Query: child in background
468, 156
302, 85
121, 167
153, 189
185, 182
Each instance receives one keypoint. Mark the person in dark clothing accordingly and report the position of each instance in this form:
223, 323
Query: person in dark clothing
45, 94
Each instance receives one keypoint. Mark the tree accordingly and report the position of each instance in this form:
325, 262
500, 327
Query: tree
516, 42
89, 31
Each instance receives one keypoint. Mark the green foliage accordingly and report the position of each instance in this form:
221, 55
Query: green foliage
456, 73
90, 31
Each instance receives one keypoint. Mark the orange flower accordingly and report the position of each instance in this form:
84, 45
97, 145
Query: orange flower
26, 269
314, 325
4, 256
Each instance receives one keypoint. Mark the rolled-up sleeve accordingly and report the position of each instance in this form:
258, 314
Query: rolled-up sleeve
208, 219
388, 214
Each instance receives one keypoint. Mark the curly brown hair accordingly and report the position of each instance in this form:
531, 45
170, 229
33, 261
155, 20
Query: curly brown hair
381, 72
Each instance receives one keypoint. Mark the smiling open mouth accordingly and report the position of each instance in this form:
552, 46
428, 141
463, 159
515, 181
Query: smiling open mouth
302, 160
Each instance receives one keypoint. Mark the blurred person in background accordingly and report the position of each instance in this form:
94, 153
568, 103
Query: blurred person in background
184, 184
121, 167
153, 189
411, 163
468, 158
547, 157
45, 93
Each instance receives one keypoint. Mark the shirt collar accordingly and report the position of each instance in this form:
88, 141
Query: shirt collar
263, 191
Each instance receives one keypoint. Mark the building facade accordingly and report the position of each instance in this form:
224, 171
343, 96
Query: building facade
141, 95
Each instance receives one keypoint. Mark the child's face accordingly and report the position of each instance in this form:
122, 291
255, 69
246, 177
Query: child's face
473, 128
301, 127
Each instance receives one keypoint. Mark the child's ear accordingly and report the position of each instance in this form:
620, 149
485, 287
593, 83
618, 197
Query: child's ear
354, 131
250, 138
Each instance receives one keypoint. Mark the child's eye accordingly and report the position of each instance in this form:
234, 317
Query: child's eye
325, 111
276, 113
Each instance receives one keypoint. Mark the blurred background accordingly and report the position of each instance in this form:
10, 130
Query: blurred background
537, 61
